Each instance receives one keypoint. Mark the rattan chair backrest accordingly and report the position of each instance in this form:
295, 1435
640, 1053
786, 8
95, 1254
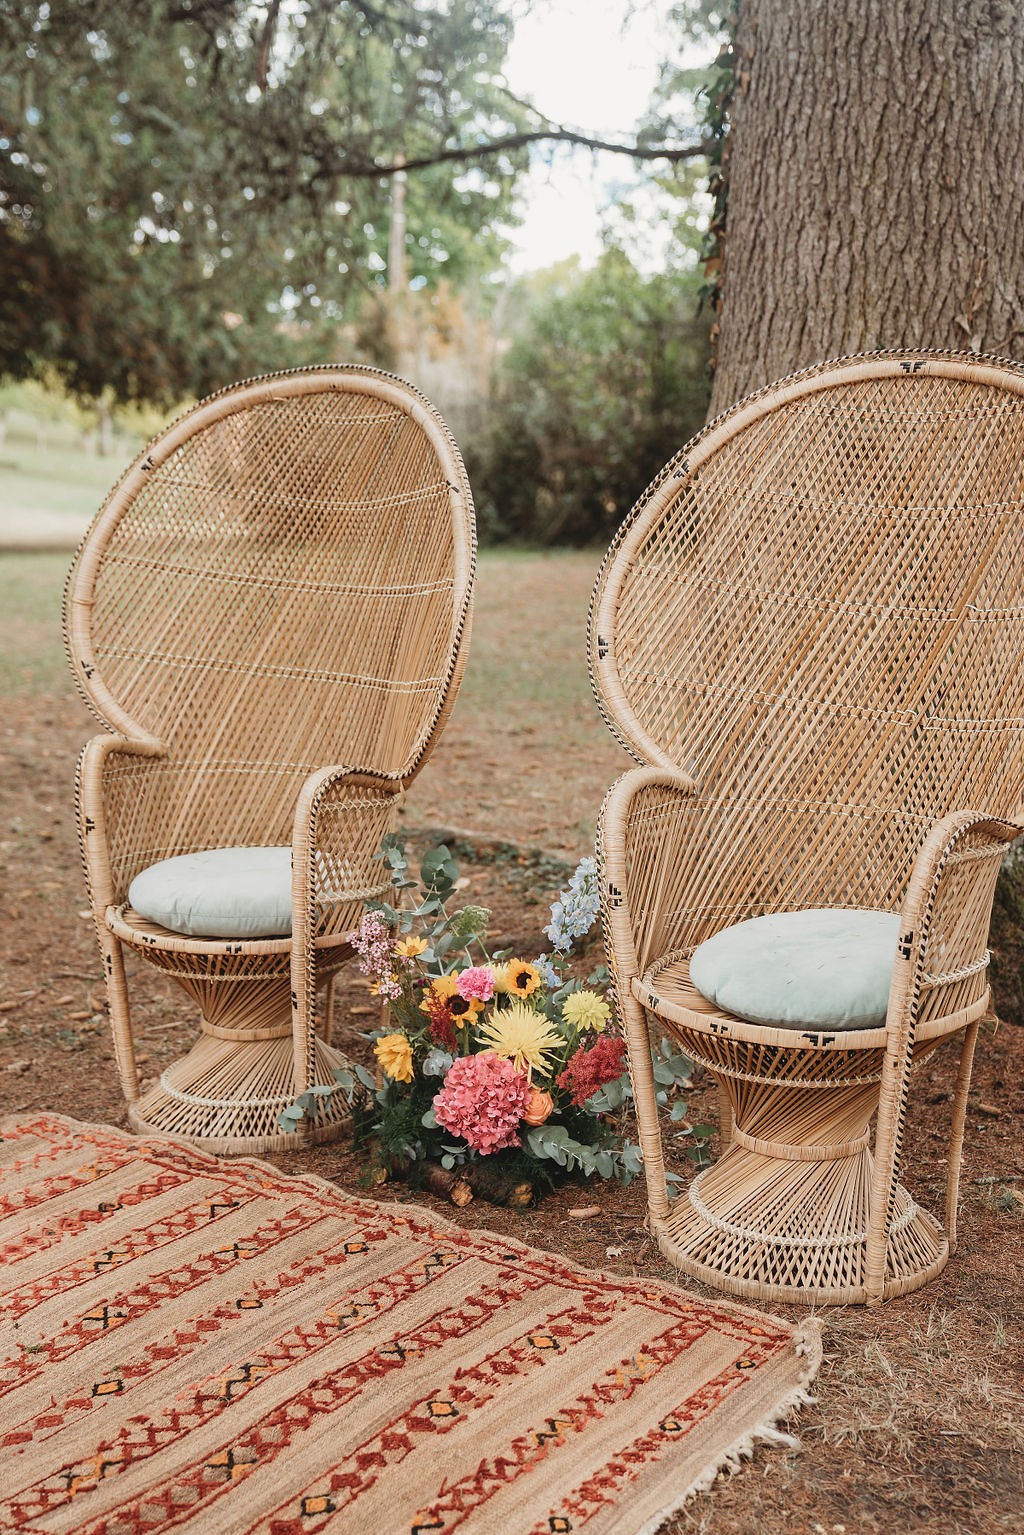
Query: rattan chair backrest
282, 580
819, 602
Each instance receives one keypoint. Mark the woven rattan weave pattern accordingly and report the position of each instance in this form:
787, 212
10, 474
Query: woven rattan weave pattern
809, 631
270, 616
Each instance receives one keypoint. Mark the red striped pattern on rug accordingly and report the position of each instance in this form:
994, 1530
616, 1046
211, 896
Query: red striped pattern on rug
219, 1349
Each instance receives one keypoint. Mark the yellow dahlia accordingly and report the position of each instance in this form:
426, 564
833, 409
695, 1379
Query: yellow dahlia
522, 1036
394, 1053
586, 1010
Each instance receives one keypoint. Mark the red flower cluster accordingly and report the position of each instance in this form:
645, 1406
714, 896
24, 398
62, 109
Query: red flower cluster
590, 1069
442, 1024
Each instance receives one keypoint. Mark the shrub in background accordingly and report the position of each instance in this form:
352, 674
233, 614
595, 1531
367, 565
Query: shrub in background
604, 379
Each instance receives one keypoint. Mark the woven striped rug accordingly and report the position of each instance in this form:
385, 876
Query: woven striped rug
213, 1347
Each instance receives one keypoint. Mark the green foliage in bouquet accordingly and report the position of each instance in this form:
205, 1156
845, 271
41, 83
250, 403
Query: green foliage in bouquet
489, 1055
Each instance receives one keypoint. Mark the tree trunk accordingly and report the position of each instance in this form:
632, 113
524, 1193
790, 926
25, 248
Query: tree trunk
106, 428
876, 184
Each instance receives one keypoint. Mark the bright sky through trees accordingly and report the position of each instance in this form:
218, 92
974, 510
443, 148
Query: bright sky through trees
588, 64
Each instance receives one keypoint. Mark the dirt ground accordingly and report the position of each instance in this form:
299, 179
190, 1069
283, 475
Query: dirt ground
918, 1423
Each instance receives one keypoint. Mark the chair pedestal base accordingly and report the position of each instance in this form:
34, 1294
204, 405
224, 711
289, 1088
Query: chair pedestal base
784, 1214
199, 1099
772, 1229
225, 1095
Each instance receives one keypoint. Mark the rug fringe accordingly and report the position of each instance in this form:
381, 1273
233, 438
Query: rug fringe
807, 1342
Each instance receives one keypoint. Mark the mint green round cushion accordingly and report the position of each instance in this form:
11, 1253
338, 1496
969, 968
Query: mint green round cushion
816, 969
225, 892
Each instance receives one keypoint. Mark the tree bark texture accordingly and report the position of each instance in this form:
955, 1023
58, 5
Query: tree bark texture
876, 184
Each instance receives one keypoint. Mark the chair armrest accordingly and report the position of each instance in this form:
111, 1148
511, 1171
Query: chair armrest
107, 765
639, 834
341, 817
941, 957
639, 839
940, 970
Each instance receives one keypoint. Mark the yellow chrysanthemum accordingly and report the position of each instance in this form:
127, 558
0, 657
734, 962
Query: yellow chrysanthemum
410, 947
394, 1053
521, 979
522, 1036
586, 1010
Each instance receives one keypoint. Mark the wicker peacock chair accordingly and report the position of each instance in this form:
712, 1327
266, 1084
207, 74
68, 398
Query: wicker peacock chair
809, 630
270, 616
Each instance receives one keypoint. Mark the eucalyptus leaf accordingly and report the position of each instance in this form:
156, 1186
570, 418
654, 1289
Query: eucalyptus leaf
436, 1063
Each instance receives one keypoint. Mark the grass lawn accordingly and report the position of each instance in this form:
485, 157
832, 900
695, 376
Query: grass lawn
60, 478
525, 757
31, 651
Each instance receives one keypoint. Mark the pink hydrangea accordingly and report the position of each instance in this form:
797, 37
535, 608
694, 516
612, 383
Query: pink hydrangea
478, 982
483, 1100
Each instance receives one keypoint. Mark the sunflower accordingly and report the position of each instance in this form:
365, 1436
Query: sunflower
410, 947
464, 1009
521, 979
441, 989
523, 1036
445, 989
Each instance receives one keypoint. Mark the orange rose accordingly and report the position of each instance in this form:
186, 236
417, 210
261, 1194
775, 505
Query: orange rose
539, 1107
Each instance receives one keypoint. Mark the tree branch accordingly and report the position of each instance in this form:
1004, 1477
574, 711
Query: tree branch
266, 43
673, 154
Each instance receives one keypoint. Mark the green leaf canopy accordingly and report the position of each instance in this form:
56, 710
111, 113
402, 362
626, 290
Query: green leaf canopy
192, 190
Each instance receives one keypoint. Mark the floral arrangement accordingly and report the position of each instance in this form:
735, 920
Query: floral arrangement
489, 1056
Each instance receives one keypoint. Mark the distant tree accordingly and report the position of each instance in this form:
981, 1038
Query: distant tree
192, 189
605, 379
